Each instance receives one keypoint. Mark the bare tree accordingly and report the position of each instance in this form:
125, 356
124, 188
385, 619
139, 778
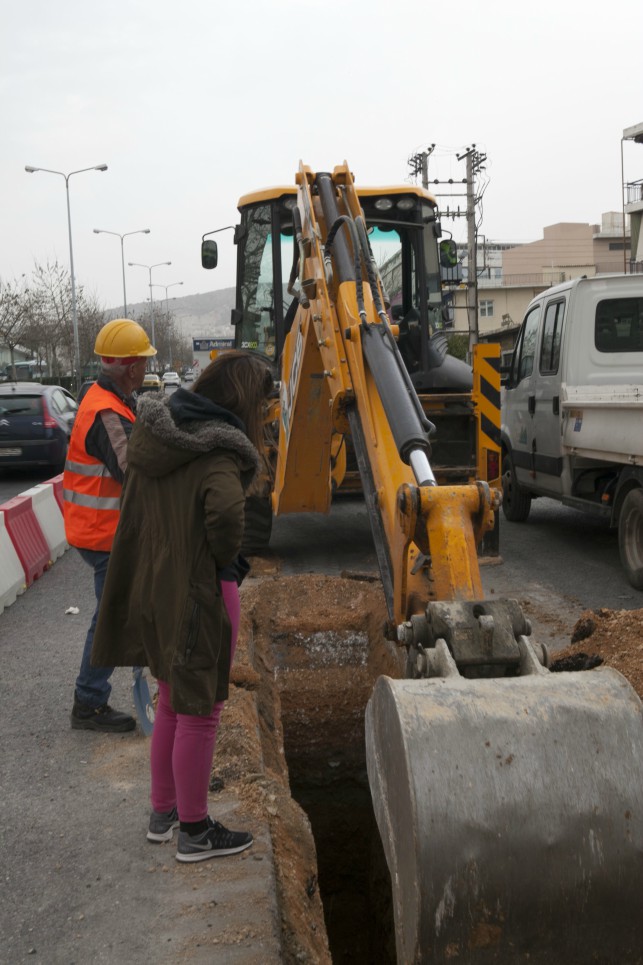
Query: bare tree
173, 350
91, 318
52, 314
14, 317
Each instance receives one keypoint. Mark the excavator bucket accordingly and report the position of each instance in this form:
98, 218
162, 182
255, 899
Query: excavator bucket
510, 814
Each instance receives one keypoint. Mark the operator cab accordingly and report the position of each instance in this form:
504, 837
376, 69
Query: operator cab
404, 235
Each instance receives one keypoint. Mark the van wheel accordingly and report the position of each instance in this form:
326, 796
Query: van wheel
60, 465
516, 503
630, 537
258, 525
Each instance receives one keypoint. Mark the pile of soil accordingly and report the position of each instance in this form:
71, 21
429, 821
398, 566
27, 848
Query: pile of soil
614, 636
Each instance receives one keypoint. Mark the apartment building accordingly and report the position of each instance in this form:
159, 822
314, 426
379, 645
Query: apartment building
510, 275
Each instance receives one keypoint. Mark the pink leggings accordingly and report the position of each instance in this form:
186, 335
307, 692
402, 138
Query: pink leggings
183, 745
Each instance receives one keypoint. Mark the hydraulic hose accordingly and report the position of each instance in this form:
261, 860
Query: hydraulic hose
406, 418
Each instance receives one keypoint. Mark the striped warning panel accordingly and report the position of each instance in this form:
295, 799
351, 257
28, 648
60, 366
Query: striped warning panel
486, 394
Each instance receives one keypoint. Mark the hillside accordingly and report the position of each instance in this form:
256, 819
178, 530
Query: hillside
203, 314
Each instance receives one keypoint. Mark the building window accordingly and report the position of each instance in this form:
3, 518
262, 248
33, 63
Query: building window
486, 308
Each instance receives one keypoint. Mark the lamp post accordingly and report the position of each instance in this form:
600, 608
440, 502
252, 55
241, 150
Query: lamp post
96, 167
135, 264
167, 311
141, 231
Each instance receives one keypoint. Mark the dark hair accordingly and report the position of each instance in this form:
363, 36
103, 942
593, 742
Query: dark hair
239, 382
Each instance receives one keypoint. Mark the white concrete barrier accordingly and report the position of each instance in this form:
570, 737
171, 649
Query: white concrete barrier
47, 512
12, 575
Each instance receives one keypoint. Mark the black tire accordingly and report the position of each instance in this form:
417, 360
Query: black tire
258, 525
516, 503
630, 537
60, 465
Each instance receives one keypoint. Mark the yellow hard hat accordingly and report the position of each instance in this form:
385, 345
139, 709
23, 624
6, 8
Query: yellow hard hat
121, 339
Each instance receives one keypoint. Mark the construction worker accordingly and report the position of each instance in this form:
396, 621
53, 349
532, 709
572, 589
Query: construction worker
92, 485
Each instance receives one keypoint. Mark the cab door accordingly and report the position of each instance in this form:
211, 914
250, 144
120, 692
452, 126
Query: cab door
517, 409
547, 422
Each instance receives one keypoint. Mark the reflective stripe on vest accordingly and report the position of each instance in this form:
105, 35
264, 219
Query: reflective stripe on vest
93, 502
93, 469
91, 495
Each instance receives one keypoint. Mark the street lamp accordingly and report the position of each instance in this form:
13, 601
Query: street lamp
141, 231
167, 310
97, 167
135, 264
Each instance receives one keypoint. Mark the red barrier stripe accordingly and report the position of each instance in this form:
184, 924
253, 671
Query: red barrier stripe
57, 483
27, 537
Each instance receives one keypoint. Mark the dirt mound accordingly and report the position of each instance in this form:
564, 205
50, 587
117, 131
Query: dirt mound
616, 636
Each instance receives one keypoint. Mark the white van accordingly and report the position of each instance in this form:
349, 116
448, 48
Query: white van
572, 407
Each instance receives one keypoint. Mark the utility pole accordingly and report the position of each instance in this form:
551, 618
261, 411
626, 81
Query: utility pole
474, 161
419, 164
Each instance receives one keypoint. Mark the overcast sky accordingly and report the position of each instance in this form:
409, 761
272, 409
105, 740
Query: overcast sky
192, 104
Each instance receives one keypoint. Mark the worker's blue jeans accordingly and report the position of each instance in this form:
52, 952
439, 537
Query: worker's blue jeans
92, 684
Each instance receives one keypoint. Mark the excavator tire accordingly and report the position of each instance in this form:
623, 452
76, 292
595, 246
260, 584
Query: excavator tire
510, 815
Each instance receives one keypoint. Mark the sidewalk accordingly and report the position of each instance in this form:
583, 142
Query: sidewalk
80, 883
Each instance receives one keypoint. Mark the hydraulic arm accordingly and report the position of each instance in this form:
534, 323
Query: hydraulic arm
342, 372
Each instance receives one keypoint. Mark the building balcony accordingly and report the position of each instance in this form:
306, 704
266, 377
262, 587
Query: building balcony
633, 197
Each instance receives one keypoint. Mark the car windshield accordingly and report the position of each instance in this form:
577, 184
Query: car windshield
21, 404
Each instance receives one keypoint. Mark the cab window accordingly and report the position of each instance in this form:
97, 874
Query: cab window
552, 336
618, 325
523, 361
257, 303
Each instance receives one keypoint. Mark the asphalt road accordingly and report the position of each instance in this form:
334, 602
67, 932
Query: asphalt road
559, 554
565, 553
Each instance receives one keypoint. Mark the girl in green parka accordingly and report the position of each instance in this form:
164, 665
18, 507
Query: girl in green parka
171, 599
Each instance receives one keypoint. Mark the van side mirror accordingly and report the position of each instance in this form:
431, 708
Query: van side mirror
209, 254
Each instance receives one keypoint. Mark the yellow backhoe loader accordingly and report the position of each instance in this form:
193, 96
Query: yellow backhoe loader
508, 798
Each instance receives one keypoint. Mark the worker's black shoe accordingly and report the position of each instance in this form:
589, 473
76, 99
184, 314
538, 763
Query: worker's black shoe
101, 718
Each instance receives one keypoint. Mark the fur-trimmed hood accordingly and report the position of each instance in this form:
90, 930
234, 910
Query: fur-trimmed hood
173, 430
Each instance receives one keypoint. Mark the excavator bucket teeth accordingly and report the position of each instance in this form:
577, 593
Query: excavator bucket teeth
510, 814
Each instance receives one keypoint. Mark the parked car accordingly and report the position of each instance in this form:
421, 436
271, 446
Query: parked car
171, 378
151, 383
82, 392
35, 424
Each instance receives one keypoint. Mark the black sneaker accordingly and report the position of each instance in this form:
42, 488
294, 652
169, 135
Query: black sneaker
213, 843
101, 718
162, 824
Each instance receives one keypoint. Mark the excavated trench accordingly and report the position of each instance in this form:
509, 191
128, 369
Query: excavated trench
327, 652
324, 684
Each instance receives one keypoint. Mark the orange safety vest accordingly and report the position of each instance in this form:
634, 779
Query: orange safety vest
91, 494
